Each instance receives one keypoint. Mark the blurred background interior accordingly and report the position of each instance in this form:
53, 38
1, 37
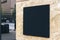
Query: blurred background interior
8, 20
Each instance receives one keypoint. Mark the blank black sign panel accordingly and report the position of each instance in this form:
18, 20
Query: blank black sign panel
36, 21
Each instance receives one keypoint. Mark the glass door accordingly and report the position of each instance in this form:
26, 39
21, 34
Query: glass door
8, 20
0, 19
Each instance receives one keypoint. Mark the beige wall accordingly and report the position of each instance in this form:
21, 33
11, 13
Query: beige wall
13, 2
21, 0
54, 19
8, 6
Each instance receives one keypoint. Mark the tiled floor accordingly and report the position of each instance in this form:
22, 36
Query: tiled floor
9, 36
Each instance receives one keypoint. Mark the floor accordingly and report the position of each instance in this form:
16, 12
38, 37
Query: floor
9, 36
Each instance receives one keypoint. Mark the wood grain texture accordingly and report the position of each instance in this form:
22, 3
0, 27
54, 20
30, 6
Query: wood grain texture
54, 19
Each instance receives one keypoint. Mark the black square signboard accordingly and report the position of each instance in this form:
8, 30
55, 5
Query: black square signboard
36, 21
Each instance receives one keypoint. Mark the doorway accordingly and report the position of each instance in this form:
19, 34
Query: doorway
8, 20
0, 20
